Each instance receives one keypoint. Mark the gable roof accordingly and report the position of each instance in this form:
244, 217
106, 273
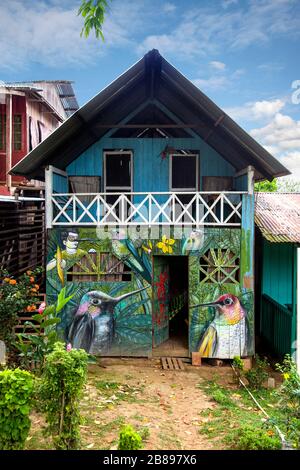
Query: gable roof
277, 215
151, 78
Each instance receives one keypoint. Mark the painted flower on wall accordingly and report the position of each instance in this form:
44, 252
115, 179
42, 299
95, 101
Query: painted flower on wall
166, 244
148, 247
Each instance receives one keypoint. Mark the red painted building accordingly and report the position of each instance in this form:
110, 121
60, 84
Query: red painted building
29, 112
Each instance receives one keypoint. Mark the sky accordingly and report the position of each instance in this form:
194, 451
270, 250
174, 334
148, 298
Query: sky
244, 54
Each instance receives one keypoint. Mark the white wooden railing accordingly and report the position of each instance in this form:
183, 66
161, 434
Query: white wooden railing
155, 208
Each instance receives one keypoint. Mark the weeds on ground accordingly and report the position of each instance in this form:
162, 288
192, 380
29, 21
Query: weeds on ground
234, 420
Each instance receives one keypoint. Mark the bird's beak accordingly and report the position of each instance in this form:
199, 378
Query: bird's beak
209, 304
129, 294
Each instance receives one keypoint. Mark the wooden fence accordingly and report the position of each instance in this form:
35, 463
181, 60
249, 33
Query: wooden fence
22, 235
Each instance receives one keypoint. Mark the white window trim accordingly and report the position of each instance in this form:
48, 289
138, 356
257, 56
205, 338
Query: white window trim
117, 188
170, 172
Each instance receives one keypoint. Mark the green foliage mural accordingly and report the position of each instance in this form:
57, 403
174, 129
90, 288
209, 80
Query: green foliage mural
110, 281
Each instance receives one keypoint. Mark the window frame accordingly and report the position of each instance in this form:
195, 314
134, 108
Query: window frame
21, 132
3, 133
188, 155
116, 189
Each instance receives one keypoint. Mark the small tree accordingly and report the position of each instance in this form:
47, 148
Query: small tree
60, 389
16, 389
266, 186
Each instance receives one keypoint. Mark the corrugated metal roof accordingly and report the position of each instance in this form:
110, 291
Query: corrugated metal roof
277, 215
151, 78
64, 89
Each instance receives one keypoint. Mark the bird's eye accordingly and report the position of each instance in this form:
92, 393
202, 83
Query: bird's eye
96, 301
228, 301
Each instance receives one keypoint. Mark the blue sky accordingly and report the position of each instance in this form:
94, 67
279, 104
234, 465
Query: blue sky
242, 54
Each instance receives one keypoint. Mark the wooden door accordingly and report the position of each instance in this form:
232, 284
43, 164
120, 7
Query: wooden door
161, 284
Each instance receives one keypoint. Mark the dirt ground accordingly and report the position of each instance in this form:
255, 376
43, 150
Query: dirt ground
163, 405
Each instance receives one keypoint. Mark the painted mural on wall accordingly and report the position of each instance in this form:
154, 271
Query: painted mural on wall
120, 303
221, 308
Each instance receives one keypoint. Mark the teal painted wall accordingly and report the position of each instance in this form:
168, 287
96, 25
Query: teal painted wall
60, 183
277, 281
151, 173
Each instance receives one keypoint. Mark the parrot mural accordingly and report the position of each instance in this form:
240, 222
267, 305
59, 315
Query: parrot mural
93, 325
228, 334
194, 242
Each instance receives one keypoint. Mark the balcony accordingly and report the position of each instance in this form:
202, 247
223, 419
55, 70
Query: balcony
149, 209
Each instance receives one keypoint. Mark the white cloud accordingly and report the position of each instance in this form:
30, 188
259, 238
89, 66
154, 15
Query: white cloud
49, 33
212, 83
169, 7
257, 110
205, 30
215, 64
281, 137
220, 80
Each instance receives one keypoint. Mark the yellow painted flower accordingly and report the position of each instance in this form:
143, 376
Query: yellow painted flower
286, 376
148, 247
6, 279
165, 244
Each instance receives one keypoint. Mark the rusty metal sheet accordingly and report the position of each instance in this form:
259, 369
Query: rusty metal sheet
277, 215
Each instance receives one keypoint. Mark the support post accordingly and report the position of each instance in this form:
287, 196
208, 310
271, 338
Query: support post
9, 139
48, 196
297, 308
250, 173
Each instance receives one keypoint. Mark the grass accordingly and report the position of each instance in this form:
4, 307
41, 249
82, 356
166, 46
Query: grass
234, 420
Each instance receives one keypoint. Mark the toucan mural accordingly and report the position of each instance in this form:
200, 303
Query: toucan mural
113, 279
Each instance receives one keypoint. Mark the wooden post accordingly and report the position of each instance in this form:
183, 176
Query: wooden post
48, 196
250, 173
9, 139
297, 303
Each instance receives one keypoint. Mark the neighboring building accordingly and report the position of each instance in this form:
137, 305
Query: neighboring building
29, 112
277, 216
150, 218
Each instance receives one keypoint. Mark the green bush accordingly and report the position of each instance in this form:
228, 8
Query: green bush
16, 296
289, 400
60, 390
258, 374
32, 346
129, 439
252, 438
16, 390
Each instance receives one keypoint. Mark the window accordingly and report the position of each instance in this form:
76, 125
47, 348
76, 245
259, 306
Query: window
118, 171
220, 266
40, 126
17, 132
2, 131
183, 172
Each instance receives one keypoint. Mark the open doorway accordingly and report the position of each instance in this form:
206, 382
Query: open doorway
170, 306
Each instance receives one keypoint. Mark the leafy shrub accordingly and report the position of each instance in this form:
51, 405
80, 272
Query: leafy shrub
31, 344
60, 389
238, 363
253, 438
16, 389
238, 369
258, 374
16, 296
129, 439
289, 400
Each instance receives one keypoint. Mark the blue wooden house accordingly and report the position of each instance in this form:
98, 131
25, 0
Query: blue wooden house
150, 219
277, 218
